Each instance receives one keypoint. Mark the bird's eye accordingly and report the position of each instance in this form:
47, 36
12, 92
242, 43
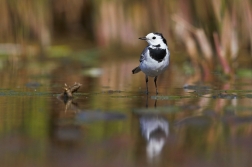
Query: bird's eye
153, 37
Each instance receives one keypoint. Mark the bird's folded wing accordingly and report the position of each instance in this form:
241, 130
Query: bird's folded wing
143, 55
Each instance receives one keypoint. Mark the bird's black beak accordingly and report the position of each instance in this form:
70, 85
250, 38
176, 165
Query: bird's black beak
143, 38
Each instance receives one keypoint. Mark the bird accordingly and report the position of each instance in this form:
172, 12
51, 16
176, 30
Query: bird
155, 57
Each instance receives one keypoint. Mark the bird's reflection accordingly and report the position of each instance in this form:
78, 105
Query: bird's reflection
155, 129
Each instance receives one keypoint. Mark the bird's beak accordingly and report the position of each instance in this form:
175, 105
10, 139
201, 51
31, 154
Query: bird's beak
143, 38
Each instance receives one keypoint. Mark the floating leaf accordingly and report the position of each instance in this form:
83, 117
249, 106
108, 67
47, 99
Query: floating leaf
88, 57
169, 97
196, 87
246, 73
16, 93
88, 116
33, 85
59, 51
195, 121
249, 95
225, 96
92, 72
125, 97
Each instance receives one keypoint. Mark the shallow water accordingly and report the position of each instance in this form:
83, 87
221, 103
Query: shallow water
112, 122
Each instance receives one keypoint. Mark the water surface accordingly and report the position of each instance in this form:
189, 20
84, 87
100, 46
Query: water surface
112, 122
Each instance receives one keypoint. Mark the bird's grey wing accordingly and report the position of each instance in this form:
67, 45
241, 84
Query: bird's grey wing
143, 55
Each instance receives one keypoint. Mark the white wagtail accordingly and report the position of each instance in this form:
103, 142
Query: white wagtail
154, 58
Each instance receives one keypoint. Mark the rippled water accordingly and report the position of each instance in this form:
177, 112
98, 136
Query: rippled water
112, 122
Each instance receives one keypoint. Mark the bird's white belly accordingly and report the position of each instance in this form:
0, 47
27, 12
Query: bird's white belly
152, 67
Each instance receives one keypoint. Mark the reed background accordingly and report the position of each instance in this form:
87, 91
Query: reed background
218, 29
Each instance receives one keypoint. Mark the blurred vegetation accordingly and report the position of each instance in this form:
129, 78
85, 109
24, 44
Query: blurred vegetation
216, 27
210, 31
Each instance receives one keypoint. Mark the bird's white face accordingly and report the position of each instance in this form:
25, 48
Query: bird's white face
154, 39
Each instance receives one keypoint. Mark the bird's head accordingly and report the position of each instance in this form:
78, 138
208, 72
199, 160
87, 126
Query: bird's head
155, 39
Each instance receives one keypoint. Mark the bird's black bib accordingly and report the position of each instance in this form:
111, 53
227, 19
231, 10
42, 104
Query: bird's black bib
157, 54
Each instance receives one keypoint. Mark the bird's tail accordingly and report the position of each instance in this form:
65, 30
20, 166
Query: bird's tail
136, 70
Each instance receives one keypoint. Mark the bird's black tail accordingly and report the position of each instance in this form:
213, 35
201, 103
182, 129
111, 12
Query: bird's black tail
136, 70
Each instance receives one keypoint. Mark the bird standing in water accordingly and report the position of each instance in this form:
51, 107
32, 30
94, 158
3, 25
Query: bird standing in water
154, 58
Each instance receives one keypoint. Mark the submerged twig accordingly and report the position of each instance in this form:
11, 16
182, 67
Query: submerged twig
67, 95
69, 90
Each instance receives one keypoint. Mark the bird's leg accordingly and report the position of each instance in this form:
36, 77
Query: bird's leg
146, 80
147, 101
155, 80
155, 105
